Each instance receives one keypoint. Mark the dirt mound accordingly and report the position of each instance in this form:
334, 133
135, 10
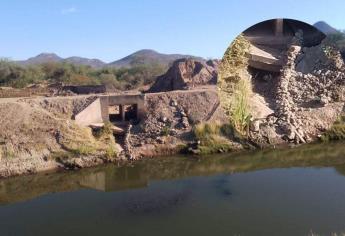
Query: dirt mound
171, 117
34, 129
186, 74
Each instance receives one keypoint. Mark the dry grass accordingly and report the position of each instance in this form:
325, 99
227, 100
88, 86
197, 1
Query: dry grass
213, 137
336, 132
234, 84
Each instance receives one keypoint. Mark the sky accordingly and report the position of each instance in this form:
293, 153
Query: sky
110, 30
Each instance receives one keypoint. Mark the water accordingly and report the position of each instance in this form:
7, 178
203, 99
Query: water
281, 192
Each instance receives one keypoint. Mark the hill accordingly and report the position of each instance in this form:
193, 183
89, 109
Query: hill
94, 63
41, 58
149, 57
325, 28
143, 57
52, 57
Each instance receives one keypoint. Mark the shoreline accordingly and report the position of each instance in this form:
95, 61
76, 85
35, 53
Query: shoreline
10, 168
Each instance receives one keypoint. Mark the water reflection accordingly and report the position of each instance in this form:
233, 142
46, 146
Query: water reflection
140, 174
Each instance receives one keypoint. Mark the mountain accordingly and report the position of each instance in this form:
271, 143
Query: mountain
147, 57
94, 63
325, 28
41, 58
142, 57
52, 57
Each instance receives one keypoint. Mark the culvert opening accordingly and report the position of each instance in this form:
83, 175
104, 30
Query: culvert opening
123, 113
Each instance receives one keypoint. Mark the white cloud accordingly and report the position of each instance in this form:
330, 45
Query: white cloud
70, 10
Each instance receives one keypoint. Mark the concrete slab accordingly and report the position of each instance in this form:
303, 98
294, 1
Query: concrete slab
265, 58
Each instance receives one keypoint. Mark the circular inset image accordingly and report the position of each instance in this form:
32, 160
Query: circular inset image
280, 82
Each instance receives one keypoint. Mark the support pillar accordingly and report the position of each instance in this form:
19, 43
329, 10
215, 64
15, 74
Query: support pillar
122, 112
279, 28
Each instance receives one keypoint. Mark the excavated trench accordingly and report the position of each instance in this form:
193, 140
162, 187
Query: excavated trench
265, 84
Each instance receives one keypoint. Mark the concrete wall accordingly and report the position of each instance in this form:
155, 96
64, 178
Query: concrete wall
104, 100
98, 111
91, 114
126, 99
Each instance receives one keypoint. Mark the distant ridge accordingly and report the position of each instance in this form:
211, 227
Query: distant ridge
41, 58
142, 57
52, 57
95, 63
325, 28
148, 56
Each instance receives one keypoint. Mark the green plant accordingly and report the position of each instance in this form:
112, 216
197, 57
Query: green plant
83, 150
104, 131
336, 132
213, 137
14, 75
234, 84
9, 154
111, 152
166, 130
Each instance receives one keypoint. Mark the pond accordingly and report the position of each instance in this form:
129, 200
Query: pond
274, 192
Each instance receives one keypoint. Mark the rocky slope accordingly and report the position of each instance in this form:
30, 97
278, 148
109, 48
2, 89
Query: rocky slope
306, 98
34, 130
186, 74
170, 119
325, 28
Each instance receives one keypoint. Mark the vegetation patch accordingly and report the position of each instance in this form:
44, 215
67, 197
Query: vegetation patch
235, 85
336, 132
83, 150
166, 130
213, 137
105, 131
335, 42
111, 153
17, 76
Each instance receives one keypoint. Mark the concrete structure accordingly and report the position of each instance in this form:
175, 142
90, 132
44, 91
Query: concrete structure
91, 114
110, 180
130, 107
270, 38
265, 58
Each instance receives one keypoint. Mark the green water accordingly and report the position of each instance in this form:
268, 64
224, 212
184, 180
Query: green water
279, 192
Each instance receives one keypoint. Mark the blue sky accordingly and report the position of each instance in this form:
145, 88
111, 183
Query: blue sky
110, 30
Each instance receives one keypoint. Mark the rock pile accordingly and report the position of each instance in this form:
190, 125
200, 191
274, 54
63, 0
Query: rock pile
309, 96
186, 74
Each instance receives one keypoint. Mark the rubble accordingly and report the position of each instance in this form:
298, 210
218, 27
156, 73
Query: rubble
310, 84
